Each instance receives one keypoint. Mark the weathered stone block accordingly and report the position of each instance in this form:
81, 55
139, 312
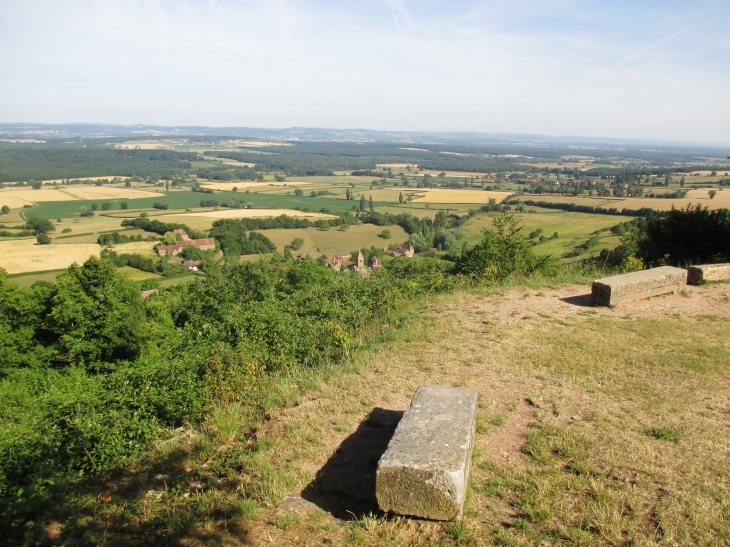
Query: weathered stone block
425, 470
708, 272
634, 286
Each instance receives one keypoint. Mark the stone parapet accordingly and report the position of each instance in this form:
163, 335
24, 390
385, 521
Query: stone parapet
637, 285
425, 470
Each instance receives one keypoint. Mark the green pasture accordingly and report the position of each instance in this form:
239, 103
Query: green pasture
573, 228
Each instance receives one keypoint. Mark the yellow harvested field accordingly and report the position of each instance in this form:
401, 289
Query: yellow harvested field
139, 247
26, 255
108, 177
448, 195
142, 145
228, 186
694, 197
106, 192
16, 198
251, 213
22, 141
397, 165
236, 162
434, 172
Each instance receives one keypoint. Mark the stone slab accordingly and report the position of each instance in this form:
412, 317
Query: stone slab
425, 470
637, 285
708, 272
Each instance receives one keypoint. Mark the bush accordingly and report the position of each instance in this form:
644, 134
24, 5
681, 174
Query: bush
66, 231
296, 243
43, 239
385, 234
5, 209
502, 253
124, 205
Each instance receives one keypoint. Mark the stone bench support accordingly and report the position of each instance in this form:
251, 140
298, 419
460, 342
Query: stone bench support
637, 285
425, 470
708, 272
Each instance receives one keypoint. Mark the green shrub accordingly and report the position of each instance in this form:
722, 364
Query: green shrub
503, 252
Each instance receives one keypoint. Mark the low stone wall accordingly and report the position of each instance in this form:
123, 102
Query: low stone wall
637, 285
425, 470
708, 272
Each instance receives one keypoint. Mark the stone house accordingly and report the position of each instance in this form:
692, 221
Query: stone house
207, 244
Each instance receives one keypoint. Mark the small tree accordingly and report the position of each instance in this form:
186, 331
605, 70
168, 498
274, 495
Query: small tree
297, 243
5, 209
106, 206
400, 198
124, 205
94, 207
371, 204
362, 203
385, 234
43, 239
712, 194
299, 192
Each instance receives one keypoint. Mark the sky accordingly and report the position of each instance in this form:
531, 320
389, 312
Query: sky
640, 69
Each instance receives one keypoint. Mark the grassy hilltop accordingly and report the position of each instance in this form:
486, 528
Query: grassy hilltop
249, 404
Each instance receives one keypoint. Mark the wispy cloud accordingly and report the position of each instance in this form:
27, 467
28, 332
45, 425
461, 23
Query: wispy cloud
535, 66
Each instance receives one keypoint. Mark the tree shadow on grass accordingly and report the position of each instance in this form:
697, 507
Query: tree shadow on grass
345, 486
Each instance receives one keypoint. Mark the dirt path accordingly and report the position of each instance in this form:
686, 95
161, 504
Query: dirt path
332, 440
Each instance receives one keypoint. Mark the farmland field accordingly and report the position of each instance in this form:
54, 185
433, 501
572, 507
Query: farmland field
107, 192
363, 236
573, 229
25, 255
721, 200
447, 195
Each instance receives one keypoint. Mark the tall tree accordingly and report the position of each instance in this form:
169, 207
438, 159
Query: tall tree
362, 202
371, 203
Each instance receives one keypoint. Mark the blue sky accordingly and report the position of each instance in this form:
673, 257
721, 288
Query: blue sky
642, 69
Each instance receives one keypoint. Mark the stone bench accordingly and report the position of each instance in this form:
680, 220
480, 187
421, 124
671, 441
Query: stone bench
425, 470
634, 286
708, 272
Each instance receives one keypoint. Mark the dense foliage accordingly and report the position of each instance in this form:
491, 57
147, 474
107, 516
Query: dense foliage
503, 252
157, 227
19, 163
90, 372
693, 235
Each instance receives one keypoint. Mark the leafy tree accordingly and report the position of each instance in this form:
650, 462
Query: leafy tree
97, 316
371, 203
385, 234
362, 203
5, 209
297, 243
191, 253
43, 239
94, 207
347, 194
36, 184
39, 225
124, 205
106, 206
298, 192
502, 252
169, 239
400, 197
693, 235
712, 194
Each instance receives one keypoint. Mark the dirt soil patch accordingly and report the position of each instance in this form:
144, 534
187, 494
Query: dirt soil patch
567, 394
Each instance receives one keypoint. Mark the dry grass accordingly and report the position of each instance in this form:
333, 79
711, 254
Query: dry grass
722, 200
108, 192
575, 404
16, 198
25, 255
257, 186
448, 195
333, 240
251, 213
